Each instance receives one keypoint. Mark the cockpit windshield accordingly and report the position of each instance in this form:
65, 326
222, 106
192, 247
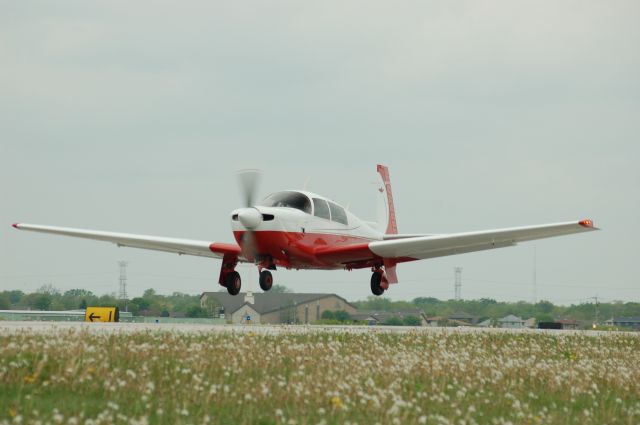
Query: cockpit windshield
295, 200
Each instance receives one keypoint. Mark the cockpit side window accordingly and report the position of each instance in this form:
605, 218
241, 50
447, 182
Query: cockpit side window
288, 200
320, 208
338, 214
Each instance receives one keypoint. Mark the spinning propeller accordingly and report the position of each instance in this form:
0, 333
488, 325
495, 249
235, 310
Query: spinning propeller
249, 216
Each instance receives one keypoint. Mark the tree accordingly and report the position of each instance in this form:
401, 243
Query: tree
77, 293
411, 321
15, 296
328, 315
393, 321
196, 311
5, 301
39, 301
149, 293
141, 303
544, 318
48, 289
342, 316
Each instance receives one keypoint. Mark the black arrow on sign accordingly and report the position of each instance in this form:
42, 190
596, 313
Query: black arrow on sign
92, 316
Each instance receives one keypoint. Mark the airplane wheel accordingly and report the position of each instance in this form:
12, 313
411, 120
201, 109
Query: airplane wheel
266, 280
233, 283
376, 289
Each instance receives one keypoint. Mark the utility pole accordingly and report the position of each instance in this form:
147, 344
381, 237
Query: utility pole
458, 283
123, 283
535, 275
597, 311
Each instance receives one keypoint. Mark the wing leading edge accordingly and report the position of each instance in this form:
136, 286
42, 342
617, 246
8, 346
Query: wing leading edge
157, 243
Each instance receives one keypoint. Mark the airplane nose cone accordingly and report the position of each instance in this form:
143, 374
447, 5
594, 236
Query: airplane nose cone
250, 218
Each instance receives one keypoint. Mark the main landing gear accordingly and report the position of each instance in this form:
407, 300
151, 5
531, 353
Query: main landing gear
265, 280
379, 282
233, 282
230, 278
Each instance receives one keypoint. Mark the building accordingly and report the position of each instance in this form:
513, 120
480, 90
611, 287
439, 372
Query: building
271, 307
462, 318
436, 321
568, 323
511, 321
624, 322
489, 323
383, 317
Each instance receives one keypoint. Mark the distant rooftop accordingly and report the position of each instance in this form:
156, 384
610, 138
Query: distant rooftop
266, 302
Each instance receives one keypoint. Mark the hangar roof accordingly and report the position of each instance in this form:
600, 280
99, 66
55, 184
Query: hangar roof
267, 302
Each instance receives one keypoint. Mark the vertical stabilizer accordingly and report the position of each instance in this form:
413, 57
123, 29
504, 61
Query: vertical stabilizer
392, 227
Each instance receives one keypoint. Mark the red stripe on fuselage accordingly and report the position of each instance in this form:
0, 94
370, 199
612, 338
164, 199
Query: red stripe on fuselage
305, 250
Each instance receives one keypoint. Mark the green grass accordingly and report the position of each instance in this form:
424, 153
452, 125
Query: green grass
67, 376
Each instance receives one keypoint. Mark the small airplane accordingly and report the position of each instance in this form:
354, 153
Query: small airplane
296, 229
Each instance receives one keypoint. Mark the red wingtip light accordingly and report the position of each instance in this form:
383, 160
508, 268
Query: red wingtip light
15, 225
586, 223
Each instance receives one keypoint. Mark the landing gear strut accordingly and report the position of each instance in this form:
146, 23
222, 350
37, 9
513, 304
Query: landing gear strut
233, 282
266, 280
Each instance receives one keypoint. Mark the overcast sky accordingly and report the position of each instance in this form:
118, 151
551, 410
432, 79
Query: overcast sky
134, 116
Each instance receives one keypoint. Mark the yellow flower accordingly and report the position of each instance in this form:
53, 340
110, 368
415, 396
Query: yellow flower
12, 412
336, 402
29, 379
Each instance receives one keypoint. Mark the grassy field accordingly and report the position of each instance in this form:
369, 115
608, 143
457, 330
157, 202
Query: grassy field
437, 377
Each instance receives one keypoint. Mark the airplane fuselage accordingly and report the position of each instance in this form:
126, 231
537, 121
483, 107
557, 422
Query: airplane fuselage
292, 237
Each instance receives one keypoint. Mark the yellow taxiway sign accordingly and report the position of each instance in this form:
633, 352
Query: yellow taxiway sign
102, 314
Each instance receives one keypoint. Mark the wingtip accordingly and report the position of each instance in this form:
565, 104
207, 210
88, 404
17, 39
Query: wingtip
588, 223
15, 225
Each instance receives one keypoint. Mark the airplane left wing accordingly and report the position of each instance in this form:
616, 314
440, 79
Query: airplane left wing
157, 243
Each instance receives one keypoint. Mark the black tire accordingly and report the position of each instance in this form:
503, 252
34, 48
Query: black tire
233, 283
376, 289
265, 280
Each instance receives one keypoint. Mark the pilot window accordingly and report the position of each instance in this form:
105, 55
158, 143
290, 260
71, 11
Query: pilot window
288, 200
320, 208
338, 214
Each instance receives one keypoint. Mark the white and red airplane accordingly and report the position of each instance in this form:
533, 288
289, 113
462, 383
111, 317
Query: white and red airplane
297, 229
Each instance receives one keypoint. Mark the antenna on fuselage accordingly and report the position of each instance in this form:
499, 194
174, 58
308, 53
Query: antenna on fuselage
306, 183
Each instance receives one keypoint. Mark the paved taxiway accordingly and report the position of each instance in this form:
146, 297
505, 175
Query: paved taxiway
9, 327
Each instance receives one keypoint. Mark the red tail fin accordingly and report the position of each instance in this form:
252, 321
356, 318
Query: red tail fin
392, 227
